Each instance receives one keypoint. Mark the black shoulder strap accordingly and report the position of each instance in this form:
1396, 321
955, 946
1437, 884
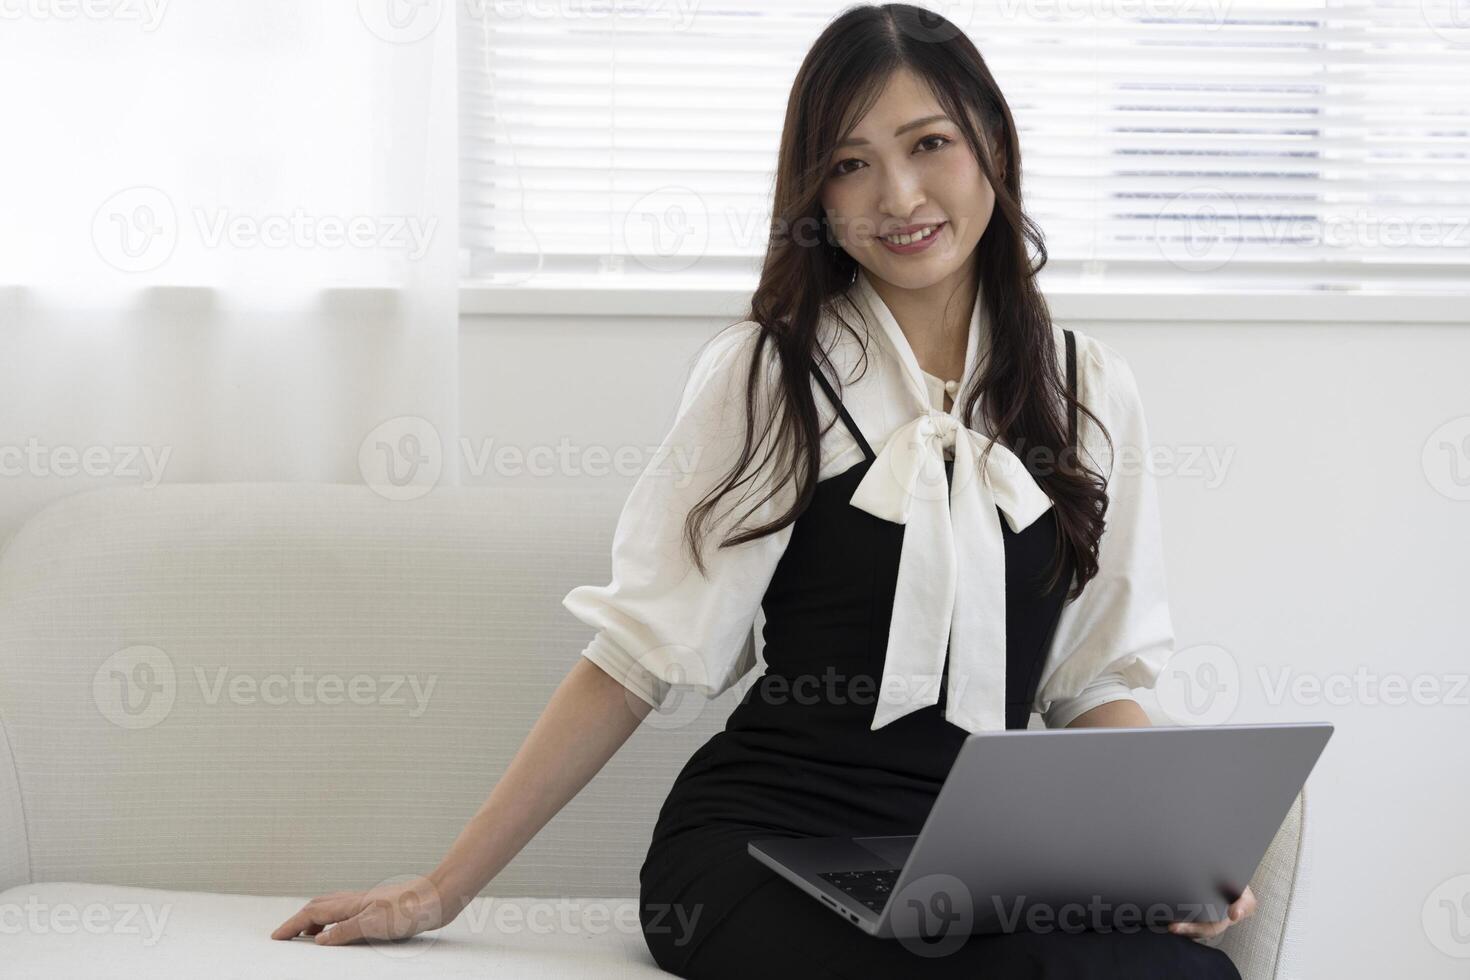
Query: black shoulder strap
846, 419
1072, 386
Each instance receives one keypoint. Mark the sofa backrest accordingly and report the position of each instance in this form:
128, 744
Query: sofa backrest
299, 688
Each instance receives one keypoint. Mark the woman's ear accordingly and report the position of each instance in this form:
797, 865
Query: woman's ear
998, 156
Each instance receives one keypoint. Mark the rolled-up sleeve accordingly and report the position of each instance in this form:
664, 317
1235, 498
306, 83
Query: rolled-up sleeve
1107, 687
659, 621
1118, 634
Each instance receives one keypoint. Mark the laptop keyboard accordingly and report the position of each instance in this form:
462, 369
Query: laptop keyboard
871, 888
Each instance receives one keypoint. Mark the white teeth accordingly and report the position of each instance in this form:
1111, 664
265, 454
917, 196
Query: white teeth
917, 236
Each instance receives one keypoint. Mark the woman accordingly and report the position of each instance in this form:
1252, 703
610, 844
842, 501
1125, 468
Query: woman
920, 579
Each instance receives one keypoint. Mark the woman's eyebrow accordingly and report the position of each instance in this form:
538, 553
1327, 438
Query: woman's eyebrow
856, 141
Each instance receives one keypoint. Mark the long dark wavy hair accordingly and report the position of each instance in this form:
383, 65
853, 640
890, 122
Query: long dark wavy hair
805, 273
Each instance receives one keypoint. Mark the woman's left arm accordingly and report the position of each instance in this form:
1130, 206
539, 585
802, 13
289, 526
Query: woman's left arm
1123, 713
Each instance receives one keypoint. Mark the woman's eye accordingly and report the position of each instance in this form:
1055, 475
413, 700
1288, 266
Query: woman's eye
838, 171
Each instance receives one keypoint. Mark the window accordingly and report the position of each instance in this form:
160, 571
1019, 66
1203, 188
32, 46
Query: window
1200, 144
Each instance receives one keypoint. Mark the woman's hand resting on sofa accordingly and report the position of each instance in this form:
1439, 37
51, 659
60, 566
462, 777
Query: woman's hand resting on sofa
1240, 908
395, 911
587, 718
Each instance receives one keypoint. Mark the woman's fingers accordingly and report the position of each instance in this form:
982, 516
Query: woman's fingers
319, 913
1243, 906
343, 933
389, 911
1246, 903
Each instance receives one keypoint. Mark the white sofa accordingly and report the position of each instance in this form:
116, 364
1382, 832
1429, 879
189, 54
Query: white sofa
169, 792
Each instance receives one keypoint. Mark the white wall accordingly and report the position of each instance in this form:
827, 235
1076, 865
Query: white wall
1323, 548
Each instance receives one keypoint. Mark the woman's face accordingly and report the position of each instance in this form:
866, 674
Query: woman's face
890, 175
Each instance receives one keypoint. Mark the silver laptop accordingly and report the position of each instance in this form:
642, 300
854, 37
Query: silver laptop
1069, 829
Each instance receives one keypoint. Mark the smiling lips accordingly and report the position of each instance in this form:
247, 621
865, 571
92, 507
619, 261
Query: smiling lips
912, 239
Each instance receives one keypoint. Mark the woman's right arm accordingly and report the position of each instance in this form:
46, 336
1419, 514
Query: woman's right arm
588, 718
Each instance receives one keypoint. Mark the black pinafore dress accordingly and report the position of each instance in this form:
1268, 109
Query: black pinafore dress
797, 758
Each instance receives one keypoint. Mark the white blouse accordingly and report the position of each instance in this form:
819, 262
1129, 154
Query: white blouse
659, 622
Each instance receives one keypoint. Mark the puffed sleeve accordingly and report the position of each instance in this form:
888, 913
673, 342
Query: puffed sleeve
1118, 633
659, 621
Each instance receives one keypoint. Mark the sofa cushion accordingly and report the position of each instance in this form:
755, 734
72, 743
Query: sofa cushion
63, 929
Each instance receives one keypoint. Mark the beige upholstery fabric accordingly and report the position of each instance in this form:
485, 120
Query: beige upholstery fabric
1270, 943
145, 933
153, 732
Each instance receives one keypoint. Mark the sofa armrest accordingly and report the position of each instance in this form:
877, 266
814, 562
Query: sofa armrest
1263, 947
15, 863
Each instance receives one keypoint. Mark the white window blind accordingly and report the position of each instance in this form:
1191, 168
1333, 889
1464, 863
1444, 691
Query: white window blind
1214, 144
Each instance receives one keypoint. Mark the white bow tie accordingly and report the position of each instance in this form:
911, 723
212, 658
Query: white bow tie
952, 570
